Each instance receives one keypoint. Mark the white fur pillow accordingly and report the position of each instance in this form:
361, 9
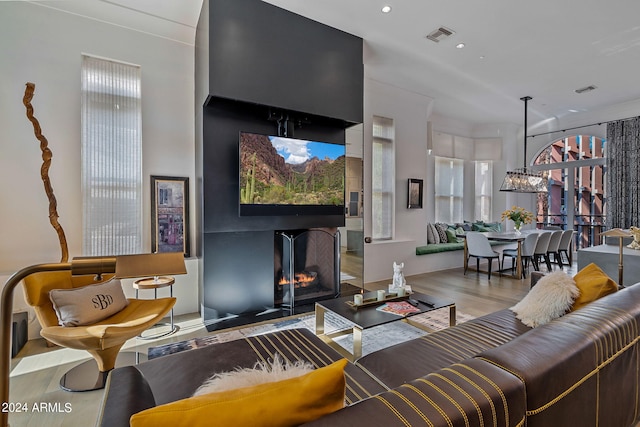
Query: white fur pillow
549, 299
262, 372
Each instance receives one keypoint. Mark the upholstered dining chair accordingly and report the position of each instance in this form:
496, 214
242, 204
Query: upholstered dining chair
554, 245
565, 246
478, 246
528, 246
540, 252
102, 339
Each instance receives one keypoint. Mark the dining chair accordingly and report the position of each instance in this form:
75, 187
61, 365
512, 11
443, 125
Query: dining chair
541, 250
554, 245
526, 253
565, 246
478, 246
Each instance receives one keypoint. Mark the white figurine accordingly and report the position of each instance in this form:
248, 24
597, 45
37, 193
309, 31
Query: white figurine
398, 277
635, 231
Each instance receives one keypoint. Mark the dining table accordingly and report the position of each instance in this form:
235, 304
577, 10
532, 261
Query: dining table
506, 237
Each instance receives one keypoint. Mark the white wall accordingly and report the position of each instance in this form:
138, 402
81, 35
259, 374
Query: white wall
44, 46
410, 112
452, 138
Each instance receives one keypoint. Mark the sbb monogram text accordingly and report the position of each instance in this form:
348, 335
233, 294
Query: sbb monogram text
102, 301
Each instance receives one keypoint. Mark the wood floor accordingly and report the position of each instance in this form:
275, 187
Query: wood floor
37, 369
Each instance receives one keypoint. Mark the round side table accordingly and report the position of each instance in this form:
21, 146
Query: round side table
155, 284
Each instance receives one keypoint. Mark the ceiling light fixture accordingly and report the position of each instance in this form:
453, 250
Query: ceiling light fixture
524, 180
459, 45
386, 9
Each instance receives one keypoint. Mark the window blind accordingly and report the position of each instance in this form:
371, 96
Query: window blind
484, 189
382, 179
111, 153
449, 186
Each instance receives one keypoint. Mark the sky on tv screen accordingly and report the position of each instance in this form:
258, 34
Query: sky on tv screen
297, 151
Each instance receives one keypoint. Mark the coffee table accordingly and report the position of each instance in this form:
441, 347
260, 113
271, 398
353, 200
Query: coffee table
365, 317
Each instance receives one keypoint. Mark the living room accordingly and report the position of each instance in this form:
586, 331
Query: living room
45, 43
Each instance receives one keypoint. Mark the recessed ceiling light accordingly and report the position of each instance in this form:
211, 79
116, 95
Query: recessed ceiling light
573, 111
386, 9
459, 45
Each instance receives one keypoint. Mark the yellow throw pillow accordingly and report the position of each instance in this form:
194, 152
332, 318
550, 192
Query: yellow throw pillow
284, 403
593, 283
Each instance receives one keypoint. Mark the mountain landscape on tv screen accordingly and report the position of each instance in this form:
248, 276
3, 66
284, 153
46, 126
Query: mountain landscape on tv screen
284, 171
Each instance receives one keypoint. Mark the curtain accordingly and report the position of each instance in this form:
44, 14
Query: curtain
623, 173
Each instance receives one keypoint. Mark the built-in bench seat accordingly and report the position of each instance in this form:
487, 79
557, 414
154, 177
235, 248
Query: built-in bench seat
435, 248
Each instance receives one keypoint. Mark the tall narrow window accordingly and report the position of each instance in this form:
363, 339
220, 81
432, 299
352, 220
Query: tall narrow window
449, 189
484, 186
111, 157
382, 179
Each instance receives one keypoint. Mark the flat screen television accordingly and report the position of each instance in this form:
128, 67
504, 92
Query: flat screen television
286, 176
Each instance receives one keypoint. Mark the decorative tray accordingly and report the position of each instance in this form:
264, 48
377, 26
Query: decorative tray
369, 302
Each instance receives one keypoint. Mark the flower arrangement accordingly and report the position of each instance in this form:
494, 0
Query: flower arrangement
518, 215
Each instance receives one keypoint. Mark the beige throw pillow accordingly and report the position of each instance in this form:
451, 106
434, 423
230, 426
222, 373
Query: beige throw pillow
88, 304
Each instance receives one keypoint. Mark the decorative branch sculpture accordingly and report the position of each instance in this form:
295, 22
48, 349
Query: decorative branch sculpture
44, 171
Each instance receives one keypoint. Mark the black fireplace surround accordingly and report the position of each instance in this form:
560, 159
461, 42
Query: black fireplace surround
254, 59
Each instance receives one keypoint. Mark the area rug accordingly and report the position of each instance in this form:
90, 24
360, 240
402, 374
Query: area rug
373, 339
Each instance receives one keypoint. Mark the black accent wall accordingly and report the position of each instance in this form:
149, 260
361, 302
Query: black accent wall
263, 54
261, 59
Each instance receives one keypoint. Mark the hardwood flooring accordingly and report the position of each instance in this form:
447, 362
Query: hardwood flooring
473, 293
36, 370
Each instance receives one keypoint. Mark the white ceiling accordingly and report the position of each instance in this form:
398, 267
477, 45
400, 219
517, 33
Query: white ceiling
514, 48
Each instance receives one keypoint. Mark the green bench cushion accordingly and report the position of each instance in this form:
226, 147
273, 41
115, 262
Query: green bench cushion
439, 247
446, 247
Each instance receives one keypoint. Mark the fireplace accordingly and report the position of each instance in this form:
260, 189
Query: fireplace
306, 266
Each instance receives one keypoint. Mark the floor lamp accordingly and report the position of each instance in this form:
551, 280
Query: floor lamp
620, 234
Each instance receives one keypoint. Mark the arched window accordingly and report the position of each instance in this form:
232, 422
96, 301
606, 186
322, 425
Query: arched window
576, 199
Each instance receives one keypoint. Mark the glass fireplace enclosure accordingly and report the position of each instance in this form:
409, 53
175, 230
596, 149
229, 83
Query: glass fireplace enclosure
306, 266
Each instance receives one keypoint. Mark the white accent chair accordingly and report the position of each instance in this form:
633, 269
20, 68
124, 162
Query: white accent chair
554, 245
478, 246
565, 246
541, 250
528, 246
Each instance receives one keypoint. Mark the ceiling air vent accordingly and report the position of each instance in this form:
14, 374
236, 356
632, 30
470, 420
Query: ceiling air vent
440, 34
586, 89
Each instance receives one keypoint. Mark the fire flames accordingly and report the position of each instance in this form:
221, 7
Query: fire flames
302, 279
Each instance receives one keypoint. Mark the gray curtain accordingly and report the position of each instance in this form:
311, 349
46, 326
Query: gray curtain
623, 173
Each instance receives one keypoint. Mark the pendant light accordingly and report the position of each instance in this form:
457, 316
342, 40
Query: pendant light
524, 180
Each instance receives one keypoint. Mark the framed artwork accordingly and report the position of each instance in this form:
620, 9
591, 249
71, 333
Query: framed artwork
415, 193
170, 214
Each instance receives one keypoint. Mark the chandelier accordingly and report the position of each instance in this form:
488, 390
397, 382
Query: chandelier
525, 180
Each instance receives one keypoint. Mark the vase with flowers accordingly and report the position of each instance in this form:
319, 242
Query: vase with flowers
519, 216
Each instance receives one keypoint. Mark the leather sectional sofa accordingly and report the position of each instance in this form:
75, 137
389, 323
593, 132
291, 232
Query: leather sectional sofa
579, 370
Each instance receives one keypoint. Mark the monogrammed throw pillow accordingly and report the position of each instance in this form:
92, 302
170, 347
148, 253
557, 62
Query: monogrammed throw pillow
88, 304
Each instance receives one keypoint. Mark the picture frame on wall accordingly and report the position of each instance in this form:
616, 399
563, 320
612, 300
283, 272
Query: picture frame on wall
415, 193
170, 214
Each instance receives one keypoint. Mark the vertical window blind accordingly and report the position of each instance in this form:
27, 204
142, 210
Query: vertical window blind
449, 186
111, 157
484, 189
382, 179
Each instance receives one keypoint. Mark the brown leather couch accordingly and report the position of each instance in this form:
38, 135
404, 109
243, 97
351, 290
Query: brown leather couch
579, 370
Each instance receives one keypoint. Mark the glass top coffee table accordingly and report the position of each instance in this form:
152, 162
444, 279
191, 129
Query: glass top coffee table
364, 317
